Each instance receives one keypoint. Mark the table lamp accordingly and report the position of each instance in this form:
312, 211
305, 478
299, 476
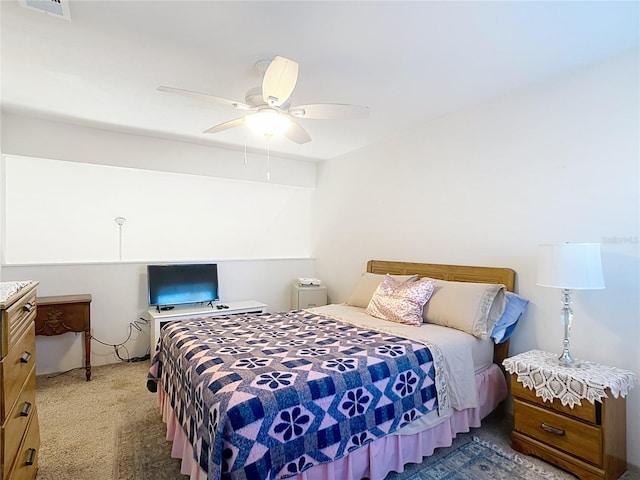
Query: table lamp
569, 266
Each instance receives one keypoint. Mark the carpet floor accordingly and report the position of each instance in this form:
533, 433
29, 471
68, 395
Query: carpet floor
110, 429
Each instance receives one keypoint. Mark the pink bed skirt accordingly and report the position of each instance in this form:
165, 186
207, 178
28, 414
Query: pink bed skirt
378, 458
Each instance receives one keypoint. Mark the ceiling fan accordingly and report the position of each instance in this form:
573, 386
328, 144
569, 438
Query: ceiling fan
268, 109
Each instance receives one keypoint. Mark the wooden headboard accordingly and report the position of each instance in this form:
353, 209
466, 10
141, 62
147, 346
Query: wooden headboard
456, 273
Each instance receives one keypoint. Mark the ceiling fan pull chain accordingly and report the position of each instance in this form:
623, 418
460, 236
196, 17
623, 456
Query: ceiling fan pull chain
268, 158
245, 143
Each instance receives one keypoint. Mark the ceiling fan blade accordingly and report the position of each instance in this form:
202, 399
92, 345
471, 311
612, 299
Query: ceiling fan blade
329, 110
225, 126
297, 134
279, 81
205, 96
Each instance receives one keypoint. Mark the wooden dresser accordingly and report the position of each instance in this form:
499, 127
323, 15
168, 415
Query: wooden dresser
20, 437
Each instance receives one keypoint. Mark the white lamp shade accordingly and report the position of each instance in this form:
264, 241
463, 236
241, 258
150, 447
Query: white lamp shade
575, 266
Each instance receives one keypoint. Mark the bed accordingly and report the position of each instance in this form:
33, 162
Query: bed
326, 393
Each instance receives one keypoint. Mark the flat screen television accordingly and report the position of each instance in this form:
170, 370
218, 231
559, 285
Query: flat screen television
179, 284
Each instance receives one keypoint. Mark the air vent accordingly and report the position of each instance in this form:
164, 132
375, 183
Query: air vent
54, 8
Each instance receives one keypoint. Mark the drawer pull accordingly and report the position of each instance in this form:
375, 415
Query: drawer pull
26, 408
26, 356
31, 456
27, 307
550, 429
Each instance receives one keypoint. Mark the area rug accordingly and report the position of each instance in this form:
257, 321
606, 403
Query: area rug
474, 460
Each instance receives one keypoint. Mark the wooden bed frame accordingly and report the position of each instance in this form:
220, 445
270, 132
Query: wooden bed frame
456, 273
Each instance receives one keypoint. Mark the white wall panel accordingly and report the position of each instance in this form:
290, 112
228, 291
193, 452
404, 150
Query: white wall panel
58, 211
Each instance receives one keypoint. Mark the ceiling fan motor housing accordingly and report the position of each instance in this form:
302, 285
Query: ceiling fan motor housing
254, 98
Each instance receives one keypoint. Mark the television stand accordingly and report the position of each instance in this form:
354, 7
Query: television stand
159, 319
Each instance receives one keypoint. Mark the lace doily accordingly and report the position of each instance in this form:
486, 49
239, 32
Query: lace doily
539, 371
7, 289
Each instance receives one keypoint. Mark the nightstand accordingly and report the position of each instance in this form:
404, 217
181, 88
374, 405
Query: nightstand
308, 296
574, 418
67, 313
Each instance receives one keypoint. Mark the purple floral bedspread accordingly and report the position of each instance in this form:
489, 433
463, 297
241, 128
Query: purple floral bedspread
269, 396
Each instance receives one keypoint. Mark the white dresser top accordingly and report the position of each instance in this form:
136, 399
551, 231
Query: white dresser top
9, 289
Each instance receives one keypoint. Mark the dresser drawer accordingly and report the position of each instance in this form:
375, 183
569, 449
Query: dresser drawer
14, 370
563, 433
16, 319
587, 411
26, 463
17, 420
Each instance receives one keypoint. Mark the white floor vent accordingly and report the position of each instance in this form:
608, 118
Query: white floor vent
55, 8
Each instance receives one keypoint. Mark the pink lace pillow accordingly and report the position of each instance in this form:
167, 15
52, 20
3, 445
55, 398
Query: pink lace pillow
400, 302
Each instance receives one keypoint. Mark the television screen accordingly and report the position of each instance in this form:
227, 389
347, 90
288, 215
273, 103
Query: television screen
182, 283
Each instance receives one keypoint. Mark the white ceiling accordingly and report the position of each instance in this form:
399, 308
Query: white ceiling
408, 61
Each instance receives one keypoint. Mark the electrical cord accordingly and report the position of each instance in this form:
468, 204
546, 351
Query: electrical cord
65, 372
137, 325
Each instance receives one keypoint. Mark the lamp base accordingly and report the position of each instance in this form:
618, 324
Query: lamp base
566, 360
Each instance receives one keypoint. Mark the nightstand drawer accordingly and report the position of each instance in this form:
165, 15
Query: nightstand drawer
60, 318
308, 297
587, 411
315, 298
559, 431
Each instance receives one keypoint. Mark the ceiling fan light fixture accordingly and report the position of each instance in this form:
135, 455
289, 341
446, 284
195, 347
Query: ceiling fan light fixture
268, 122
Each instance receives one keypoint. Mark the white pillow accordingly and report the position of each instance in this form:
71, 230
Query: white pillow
367, 285
400, 302
471, 307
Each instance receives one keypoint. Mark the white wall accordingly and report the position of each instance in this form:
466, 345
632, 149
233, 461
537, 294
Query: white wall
119, 289
556, 162
119, 297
